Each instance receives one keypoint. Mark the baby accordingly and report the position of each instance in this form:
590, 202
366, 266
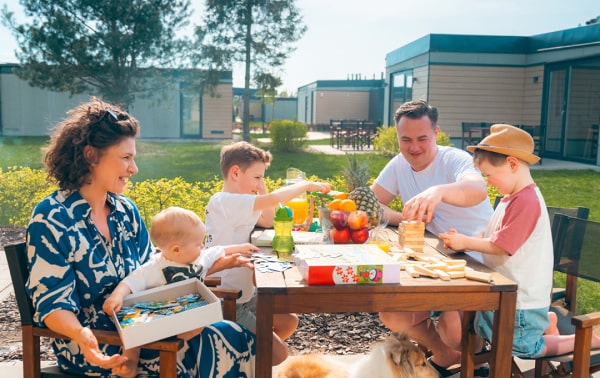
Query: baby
179, 235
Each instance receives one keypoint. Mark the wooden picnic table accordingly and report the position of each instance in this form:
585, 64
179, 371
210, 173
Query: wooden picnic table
287, 292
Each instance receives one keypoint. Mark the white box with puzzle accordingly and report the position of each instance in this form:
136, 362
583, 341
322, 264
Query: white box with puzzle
165, 311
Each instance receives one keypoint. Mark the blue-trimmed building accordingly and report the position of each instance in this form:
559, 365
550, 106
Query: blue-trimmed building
280, 108
325, 100
177, 112
550, 80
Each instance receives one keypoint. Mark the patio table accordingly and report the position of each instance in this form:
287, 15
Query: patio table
287, 292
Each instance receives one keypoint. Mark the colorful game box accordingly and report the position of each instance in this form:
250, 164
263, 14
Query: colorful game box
166, 311
345, 264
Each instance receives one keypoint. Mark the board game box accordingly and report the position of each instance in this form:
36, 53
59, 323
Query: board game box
344, 264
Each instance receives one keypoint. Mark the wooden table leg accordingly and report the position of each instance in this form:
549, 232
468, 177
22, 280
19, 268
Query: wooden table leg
168, 364
264, 336
468, 345
504, 320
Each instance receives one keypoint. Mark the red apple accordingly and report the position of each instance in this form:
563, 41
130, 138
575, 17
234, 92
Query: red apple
359, 236
357, 220
339, 219
340, 236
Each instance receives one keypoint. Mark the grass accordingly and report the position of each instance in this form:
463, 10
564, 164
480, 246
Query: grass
199, 161
191, 160
21, 151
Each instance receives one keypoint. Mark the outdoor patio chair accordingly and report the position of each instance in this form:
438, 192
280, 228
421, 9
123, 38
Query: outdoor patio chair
578, 212
576, 255
472, 133
348, 135
538, 133
334, 131
16, 256
366, 131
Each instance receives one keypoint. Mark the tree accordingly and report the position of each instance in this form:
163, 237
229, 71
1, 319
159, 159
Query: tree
267, 90
112, 47
259, 33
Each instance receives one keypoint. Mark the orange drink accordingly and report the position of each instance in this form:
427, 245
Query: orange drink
382, 244
299, 208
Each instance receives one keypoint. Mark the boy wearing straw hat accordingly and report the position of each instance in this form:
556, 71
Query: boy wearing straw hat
518, 238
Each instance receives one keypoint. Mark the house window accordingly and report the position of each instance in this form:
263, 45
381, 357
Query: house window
400, 90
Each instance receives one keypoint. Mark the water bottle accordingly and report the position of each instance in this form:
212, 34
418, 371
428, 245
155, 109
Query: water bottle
283, 224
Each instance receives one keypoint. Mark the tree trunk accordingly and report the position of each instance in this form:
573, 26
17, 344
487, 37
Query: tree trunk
246, 127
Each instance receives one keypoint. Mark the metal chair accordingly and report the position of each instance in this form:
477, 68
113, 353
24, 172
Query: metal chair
16, 256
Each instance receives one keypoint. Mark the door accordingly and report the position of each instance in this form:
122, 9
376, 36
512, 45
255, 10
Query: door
555, 114
573, 112
191, 116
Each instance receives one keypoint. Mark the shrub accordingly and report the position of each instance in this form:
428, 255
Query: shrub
287, 135
21, 188
386, 141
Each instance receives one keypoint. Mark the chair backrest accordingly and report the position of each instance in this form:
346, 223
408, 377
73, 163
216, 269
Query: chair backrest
577, 212
578, 253
16, 256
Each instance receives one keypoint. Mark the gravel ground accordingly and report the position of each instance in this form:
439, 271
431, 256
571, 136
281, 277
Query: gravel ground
345, 333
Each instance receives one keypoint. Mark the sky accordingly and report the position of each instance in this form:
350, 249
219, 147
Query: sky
347, 38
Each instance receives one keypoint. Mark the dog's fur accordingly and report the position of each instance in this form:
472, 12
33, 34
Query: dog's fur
396, 357
311, 366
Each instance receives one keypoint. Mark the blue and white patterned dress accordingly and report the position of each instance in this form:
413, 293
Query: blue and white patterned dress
73, 267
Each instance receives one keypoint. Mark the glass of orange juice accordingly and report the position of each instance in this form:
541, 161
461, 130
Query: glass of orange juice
299, 206
378, 235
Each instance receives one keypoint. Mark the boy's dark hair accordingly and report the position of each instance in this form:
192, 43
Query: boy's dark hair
95, 123
242, 154
416, 109
494, 158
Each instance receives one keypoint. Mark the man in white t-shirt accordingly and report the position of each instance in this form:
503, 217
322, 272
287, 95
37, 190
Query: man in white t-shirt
441, 186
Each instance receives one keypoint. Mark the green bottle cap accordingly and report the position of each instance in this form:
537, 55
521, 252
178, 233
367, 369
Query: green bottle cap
283, 213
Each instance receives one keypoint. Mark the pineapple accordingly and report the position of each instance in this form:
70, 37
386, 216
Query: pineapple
357, 178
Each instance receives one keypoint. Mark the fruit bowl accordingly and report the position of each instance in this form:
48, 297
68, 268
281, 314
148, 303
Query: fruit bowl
341, 227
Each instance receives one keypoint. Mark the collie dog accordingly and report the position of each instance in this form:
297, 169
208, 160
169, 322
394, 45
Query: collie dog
311, 366
396, 357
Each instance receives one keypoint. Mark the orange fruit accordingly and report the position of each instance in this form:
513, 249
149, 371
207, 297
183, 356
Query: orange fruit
335, 204
341, 196
348, 205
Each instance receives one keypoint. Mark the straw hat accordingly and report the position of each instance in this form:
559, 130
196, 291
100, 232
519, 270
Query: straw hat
508, 140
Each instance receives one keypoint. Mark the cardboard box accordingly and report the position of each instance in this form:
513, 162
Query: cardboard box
173, 324
343, 264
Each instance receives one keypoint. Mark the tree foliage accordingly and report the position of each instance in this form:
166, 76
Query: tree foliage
259, 33
117, 49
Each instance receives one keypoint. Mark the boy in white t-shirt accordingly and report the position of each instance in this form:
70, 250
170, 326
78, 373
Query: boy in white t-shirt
179, 235
232, 214
518, 237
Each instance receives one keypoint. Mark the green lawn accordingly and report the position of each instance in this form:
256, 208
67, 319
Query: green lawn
199, 161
